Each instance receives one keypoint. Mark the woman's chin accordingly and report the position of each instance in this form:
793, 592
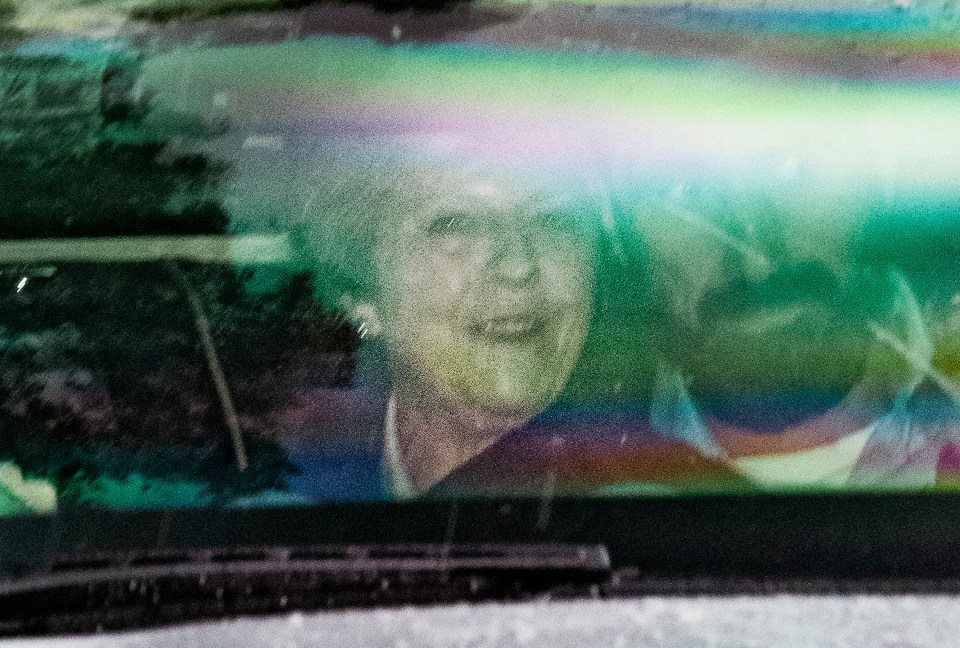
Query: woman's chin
513, 386
512, 396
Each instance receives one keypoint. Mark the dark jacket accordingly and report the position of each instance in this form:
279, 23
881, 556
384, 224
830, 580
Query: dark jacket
335, 439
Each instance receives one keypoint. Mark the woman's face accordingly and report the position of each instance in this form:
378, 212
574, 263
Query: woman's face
485, 295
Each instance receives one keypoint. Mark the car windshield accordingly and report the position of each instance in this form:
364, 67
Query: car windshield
262, 254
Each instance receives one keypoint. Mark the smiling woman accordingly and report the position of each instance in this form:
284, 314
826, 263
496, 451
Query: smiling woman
478, 282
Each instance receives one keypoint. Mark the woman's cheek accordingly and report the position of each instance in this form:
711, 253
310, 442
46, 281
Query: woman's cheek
569, 284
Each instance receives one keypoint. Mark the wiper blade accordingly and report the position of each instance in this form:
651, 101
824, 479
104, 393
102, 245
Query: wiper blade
96, 591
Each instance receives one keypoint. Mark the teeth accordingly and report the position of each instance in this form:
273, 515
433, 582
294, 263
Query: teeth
507, 328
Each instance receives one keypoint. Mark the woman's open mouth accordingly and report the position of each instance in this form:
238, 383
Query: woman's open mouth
509, 329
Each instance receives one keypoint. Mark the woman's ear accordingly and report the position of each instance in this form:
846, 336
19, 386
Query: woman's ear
364, 314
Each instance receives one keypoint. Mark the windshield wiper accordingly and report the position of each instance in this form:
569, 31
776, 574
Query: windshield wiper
88, 592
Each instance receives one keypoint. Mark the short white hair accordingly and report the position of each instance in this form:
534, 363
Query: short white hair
356, 197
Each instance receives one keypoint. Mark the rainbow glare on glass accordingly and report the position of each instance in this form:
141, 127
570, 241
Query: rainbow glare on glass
834, 114
821, 143
624, 117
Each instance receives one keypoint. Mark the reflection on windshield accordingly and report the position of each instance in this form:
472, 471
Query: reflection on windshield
336, 254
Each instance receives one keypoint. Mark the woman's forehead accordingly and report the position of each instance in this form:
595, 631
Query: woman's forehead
439, 188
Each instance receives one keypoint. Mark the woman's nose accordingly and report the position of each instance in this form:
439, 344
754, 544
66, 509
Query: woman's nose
514, 260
